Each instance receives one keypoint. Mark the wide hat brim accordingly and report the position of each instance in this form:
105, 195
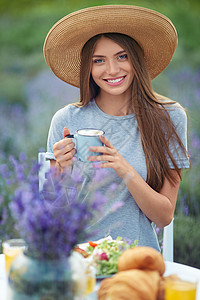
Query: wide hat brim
153, 31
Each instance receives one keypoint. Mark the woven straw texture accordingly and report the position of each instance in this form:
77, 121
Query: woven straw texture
153, 31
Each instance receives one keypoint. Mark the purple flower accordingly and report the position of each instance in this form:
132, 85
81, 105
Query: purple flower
113, 187
116, 206
4, 171
54, 220
4, 216
195, 143
128, 241
100, 174
98, 201
158, 230
186, 210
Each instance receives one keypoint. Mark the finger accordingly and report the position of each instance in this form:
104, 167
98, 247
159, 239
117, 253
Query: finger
65, 164
69, 147
63, 159
103, 165
65, 132
100, 149
62, 144
108, 158
69, 155
106, 165
106, 141
60, 154
103, 149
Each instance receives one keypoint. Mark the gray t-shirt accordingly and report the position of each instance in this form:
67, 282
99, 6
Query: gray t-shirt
122, 131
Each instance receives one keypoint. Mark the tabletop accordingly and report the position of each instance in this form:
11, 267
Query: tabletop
171, 268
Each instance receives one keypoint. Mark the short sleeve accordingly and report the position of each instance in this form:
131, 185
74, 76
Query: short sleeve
179, 119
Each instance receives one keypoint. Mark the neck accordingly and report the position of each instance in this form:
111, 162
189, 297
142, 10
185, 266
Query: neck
114, 105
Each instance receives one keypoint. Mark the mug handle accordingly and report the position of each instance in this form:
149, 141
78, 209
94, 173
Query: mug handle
70, 136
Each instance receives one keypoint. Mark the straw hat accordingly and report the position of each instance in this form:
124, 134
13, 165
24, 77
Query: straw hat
153, 31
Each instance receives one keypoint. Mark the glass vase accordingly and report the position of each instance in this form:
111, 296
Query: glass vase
34, 279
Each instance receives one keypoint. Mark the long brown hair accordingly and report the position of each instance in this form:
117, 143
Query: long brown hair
154, 123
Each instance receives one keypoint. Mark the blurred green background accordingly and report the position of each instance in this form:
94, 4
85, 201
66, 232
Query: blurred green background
30, 94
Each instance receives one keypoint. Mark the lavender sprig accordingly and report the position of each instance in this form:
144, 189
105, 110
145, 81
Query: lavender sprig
54, 220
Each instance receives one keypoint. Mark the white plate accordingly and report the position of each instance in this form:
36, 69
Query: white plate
85, 245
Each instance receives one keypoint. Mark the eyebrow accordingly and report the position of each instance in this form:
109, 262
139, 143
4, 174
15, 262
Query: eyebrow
120, 52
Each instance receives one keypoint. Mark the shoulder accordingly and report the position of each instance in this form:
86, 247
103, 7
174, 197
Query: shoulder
177, 113
66, 112
71, 112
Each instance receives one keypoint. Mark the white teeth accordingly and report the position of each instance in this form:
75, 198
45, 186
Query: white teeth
115, 80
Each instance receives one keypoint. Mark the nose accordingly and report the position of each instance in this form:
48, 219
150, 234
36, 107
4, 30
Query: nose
112, 67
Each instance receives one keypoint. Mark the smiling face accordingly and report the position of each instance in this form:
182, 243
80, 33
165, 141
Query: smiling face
111, 68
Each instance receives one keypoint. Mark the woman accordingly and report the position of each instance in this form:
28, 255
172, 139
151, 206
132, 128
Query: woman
112, 53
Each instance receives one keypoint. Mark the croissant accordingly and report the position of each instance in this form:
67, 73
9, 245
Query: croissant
161, 289
104, 287
128, 285
143, 258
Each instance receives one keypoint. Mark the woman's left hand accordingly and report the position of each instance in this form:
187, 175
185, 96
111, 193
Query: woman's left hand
111, 158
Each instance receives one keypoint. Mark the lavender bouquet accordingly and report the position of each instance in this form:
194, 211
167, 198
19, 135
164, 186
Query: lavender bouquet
54, 220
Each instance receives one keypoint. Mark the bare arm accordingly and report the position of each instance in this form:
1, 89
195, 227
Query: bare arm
157, 206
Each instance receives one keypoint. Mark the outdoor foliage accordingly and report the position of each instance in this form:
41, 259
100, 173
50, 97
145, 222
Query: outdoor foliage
184, 86
30, 94
187, 246
25, 128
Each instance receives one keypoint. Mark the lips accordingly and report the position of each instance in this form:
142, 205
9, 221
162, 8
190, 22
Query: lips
115, 81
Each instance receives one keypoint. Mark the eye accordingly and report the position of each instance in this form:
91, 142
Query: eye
98, 61
123, 57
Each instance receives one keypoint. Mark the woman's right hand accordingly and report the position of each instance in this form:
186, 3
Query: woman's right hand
64, 151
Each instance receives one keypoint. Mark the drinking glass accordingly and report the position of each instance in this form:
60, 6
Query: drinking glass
182, 288
12, 248
91, 279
